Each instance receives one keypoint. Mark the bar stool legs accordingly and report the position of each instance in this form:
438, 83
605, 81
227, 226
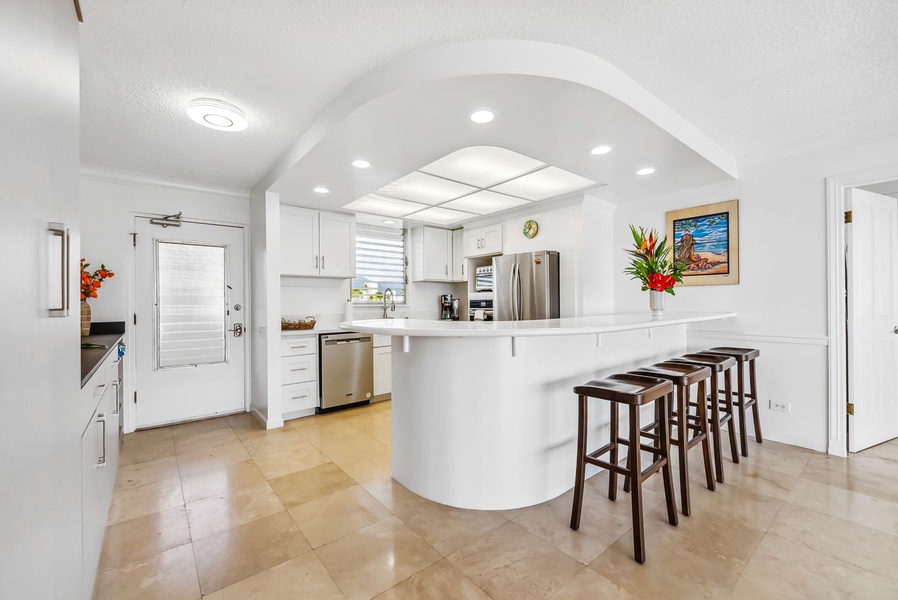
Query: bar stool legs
634, 391
744, 399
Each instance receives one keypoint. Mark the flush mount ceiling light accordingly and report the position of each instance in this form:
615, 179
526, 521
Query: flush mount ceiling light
482, 116
320, 190
389, 222
361, 164
645, 171
216, 114
600, 150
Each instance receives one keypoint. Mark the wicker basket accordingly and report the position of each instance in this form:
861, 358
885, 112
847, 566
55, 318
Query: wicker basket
307, 323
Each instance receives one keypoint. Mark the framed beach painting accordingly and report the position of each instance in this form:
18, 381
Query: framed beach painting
706, 240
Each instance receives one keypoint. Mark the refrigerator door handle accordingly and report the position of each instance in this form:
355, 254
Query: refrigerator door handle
516, 292
512, 291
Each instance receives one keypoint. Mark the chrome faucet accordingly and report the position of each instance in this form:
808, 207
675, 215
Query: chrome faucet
392, 303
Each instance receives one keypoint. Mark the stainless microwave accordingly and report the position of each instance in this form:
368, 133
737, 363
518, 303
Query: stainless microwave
483, 279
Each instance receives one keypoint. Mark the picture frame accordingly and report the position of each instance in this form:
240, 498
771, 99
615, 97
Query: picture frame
706, 239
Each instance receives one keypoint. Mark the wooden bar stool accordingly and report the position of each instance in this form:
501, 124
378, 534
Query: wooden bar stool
634, 391
683, 376
721, 407
744, 400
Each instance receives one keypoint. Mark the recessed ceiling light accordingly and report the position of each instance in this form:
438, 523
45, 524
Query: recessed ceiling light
361, 164
483, 116
389, 222
321, 190
645, 171
216, 114
600, 150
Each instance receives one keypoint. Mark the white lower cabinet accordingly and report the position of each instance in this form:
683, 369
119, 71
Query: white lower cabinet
383, 367
299, 375
99, 461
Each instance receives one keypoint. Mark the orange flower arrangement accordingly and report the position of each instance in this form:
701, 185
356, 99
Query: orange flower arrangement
91, 282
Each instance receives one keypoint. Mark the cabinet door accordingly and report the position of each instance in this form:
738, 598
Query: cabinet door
299, 241
93, 510
436, 254
472, 243
383, 370
294, 346
299, 396
491, 239
337, 244
458, 256
295, 369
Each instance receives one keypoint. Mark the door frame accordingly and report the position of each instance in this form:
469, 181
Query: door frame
131, 383
836, 193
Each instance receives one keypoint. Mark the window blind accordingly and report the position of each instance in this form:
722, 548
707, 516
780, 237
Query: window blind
379, 262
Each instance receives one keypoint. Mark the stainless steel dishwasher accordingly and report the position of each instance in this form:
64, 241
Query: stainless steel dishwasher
347, 369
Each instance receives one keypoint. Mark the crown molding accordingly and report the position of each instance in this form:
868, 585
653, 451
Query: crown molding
121, 176
840, 140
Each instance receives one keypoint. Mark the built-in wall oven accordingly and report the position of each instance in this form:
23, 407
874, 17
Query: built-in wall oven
480, 309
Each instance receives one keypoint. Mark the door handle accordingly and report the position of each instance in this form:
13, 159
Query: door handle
101, 461
322, 262
316, 262
238, 330
895, 330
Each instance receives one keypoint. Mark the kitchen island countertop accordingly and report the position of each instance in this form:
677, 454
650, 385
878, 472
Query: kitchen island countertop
544, 327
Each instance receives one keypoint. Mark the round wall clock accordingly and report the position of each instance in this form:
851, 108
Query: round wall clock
530, 229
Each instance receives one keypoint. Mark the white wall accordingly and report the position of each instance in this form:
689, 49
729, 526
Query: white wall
110, 201
781, 298
40, 439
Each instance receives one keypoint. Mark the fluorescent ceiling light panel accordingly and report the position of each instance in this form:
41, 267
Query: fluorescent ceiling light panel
387, 207
482, 166
545, 183
421, 187
485, 203
441, 216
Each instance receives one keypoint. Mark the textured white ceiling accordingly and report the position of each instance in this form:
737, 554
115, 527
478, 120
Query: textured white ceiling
754, 75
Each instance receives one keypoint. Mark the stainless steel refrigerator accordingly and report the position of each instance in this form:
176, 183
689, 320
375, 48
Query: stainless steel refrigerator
526, 286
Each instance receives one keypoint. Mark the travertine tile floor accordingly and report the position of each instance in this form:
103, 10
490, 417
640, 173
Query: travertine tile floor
222, 509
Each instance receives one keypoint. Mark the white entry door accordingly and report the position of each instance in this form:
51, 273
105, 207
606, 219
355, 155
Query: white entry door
191, 350
872, 257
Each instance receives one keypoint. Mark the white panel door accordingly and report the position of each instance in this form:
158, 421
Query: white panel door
458, 256
872, 257
190, 358
491, 239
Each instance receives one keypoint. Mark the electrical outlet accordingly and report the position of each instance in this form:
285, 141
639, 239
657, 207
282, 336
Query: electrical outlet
781, 406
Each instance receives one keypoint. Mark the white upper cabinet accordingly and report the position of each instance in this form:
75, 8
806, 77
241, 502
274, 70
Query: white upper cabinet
458, 256
483, 241
336, 234
431, 254
317, 243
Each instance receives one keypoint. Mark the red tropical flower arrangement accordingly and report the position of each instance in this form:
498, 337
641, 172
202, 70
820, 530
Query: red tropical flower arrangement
91, 282
650, 264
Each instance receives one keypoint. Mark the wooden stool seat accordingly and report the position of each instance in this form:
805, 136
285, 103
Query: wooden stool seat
683, 376
633, 391
721, 408
745, 399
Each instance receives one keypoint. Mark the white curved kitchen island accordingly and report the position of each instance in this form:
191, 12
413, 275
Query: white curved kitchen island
484, 416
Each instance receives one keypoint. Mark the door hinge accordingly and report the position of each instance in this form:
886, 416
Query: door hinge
135, 318
135, 396
134, 239
851, 408
848, 216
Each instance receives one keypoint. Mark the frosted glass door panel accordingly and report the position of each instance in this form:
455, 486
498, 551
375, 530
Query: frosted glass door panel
191, 304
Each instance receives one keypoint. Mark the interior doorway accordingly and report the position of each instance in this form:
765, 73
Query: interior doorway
883, 181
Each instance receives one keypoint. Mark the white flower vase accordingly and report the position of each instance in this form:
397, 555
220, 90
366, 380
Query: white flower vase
656, 302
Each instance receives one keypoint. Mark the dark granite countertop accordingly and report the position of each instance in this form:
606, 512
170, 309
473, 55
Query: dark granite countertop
94, 357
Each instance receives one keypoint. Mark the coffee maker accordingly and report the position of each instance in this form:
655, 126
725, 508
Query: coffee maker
446, 307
